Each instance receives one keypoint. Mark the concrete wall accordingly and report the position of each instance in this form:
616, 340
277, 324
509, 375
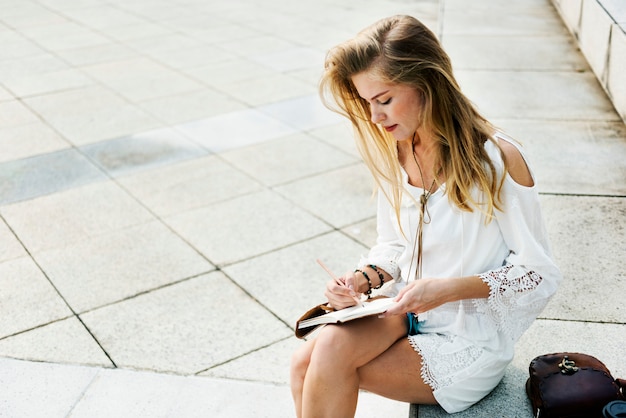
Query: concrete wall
600, 29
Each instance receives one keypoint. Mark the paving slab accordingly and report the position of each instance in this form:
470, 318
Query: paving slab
573, 157
294, 277
27, 290
159, 330
287, 159
64, 341
189, 185
28, 140
63, 218
147, 256
346, 195
243, 227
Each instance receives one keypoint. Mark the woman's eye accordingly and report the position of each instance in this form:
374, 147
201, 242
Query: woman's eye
386, 102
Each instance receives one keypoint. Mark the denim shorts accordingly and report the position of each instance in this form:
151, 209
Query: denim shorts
413, 325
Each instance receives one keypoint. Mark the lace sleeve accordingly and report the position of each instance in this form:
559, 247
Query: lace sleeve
512, 303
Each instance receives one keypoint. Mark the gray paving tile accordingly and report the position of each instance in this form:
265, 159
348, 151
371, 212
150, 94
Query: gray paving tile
97, 114
538, 95
191, 106
41, 175
268, 89
303, 113
290, 59
574, 157
97, 54
145, 257
364, 232
64, 35
185, 328
61, 219
257, 46
587, 240
526, 19
40, 390
13, 113
39, 62
66, 341
235, 70
142, 151
246, 226
102, 16
105, 123
141, 79
338, 135
46, 82
286, 159
520, 53
189, 185
27, 291
19, 48
234, 129
298, 281
187, 57
5, 95
340, 197
28, 140
10, 247
268, 364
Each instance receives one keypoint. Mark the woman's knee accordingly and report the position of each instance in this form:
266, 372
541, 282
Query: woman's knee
300, 360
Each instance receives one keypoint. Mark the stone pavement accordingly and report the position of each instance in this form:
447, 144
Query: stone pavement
168, 178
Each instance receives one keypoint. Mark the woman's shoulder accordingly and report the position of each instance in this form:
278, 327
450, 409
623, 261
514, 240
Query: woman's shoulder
515, 162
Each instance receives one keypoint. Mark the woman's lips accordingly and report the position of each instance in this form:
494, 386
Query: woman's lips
390, 128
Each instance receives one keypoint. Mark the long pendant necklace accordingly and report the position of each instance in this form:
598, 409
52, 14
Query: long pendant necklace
424, 217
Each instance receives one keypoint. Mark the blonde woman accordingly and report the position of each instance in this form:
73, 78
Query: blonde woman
461, 243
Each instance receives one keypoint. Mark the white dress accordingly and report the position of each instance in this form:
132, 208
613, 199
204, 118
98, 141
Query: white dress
467, 345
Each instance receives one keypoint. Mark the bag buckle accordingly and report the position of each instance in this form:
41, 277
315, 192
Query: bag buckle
567, 366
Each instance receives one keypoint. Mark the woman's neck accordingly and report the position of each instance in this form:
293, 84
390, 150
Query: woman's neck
418, 154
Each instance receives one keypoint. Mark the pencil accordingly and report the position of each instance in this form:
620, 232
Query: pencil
330, 273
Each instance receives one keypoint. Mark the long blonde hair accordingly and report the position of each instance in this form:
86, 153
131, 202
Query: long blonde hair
400, 49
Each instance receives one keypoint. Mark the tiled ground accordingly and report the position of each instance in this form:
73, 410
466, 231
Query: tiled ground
168, 177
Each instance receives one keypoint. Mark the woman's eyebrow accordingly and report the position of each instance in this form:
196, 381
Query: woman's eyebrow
378, 95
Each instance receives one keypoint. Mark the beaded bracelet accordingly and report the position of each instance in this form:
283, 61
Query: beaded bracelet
380, 275
369, 282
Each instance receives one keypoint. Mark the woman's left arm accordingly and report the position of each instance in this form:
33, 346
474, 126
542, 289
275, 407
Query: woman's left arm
514, 294
521, 288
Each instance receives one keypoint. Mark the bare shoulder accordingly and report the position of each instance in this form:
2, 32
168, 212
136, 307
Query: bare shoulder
518, 170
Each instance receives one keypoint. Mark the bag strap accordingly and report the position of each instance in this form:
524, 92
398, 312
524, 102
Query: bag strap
622, 384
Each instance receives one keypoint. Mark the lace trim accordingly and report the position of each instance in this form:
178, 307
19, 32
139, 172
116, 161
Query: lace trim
507, 286
439, 367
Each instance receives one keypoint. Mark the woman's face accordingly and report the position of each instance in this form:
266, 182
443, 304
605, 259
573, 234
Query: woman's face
395, 107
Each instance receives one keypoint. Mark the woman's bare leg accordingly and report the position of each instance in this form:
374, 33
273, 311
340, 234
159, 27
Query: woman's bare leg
396, 374
299, 365
331, 381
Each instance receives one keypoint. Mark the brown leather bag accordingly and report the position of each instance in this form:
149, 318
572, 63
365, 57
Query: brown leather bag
571, 385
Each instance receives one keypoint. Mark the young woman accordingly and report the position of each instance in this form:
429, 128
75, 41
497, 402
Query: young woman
461, 242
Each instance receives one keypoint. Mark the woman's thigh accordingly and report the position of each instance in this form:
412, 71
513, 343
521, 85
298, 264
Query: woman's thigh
396, 374
358, 342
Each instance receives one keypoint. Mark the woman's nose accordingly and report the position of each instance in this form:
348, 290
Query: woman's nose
377, 116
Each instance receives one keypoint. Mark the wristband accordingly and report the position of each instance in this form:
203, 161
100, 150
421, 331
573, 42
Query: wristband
369, 282
380, 275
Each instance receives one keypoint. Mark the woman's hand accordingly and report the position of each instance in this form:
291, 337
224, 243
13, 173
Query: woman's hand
426, 294
421, 296
340, 292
